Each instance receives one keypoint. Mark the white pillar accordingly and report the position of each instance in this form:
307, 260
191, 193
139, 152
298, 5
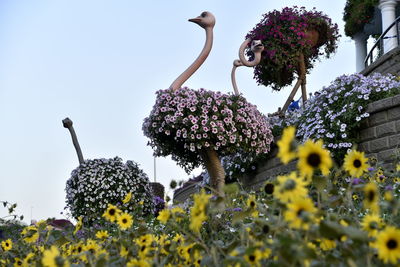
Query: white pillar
360, 40
388, 10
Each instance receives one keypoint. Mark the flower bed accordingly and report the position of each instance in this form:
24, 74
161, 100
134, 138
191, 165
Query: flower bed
328, 220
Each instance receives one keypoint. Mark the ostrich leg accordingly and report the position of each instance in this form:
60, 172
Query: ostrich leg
292, 94
67, 123
301, 81
215, 170
303, 77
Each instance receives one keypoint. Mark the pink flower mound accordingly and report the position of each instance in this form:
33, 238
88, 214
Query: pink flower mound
184, 122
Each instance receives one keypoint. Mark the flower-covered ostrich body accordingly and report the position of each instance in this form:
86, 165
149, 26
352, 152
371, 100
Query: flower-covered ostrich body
197, 126
185, 122
95, 183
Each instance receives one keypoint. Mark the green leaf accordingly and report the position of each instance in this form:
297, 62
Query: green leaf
231, 189
330, 230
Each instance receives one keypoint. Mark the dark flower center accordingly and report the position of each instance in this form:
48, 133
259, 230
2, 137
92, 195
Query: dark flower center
290, 185
19, 263
371, 195
252, 258
265, 229
252, 204
124, 220
269, 188
357, 163
79, 249
300, 212
314, 160
391, 244
112, 212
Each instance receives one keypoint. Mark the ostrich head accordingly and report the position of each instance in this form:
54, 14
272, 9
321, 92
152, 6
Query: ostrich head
205, 20
257, 46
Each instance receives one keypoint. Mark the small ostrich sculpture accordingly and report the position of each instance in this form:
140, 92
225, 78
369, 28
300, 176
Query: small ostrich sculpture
98, 182
256, 47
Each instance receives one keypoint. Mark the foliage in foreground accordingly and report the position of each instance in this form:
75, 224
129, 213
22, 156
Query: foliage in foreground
318, 216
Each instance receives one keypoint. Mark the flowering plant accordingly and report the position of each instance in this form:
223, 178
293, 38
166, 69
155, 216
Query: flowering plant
336, 112
184, 122
356, 14
99, 182
330, 221
284, 35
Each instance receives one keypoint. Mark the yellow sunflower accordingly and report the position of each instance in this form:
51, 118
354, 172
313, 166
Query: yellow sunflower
30, 234
371, 223
300, 213
254, 258
78, 225
286, 147
6, 245
163, 216
102, 234
197, 217
355, 163
52, 258
388, 245
251, 202
111, 213
124, 220
127, 198
313, 156
290, 187
371, 197
327, 244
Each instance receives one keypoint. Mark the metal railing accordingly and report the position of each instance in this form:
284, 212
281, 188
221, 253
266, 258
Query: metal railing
379, 43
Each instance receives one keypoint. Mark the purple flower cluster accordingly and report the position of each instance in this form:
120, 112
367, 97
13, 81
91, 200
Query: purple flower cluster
336, 113
185, 122
284, 35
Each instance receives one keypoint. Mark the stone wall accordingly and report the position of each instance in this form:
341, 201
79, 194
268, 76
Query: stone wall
388, 63
380, 134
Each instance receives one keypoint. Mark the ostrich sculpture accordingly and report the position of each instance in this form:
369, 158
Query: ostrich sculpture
256, 47
210, 157
98, 182
222, 128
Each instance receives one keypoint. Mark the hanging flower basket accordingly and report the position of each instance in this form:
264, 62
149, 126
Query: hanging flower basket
285, 35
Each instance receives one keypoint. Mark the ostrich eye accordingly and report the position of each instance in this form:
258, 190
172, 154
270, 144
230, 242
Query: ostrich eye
203, 14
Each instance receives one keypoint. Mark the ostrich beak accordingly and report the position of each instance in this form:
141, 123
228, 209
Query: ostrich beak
195, 20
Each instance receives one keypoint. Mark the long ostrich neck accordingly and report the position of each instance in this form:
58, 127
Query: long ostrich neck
236, 64
197, 63
68, 124
257, 55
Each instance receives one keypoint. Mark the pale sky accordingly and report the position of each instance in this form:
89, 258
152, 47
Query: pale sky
100, 63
